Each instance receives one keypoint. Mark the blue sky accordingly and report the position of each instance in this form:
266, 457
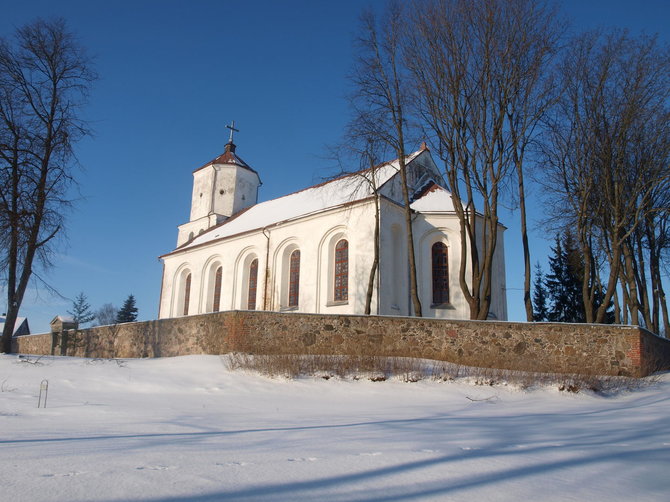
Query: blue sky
172, 74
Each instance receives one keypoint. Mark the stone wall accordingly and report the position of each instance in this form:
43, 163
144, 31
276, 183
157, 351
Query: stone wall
542, 347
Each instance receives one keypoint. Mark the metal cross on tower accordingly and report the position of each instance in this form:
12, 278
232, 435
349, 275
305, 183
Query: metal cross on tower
232, 130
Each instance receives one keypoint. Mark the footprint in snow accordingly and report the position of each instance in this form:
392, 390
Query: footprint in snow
303, 459
370, 454
63, 475
229, 464
153, 468
428, 450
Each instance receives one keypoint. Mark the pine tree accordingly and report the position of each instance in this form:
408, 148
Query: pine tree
564, 282
127, 313
563, 285
81, 310
540, 309
574, 261
555, 281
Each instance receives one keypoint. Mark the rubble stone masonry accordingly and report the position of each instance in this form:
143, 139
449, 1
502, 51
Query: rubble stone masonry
541, 347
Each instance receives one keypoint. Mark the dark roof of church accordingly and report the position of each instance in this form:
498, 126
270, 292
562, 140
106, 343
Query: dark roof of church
431, 186
228, 157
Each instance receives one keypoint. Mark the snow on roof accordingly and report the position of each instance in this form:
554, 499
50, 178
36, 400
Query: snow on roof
433, 198
63, 318
317, 198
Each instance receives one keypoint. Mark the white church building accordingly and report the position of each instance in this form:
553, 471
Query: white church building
312, 251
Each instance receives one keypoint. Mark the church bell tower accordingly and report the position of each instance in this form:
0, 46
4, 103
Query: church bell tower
221, 188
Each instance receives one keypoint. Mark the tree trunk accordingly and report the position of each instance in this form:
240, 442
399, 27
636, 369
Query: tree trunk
617, 308
416, 303
587, 284
13, 302
639, 268
611, 285
527, 301
629, 275
375, 263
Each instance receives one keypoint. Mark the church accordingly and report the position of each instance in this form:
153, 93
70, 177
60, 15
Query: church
311, 251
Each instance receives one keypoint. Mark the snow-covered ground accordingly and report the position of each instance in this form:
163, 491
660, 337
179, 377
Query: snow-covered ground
187, 428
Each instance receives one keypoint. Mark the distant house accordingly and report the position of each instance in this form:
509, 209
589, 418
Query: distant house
20, 326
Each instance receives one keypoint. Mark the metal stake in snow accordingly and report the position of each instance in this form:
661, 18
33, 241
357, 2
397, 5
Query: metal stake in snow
44, 390
232, 129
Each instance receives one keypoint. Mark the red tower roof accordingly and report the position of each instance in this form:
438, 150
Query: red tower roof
228, 157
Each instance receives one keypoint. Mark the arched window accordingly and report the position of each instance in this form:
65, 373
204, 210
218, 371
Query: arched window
294, 279
396, 279
253, 284
187, 293
341, 291
216, 302
440, 273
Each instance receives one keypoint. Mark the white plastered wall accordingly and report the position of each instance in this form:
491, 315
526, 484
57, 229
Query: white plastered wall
429, 228
315, 236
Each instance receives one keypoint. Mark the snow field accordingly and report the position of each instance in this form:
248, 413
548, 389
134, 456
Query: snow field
188, 428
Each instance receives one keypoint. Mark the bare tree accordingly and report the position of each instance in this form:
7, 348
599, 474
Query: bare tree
45, 77
641, 279
381, 98
360, 148
607, 152
106, 315
479, 74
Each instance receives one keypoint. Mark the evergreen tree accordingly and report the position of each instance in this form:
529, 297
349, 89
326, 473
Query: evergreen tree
127, 313
540, 309
555, 281
81, 310
564, 282
563, 285
574, 261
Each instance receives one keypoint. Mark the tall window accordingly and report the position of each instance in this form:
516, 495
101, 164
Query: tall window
253, 283
396, 279
187, 293
294, 279
440, 273
216, 303
341, 271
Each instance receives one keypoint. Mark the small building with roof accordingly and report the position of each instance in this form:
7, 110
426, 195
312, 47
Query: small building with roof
312, 251
20, 326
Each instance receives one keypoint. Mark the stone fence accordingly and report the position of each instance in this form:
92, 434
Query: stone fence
541, 347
